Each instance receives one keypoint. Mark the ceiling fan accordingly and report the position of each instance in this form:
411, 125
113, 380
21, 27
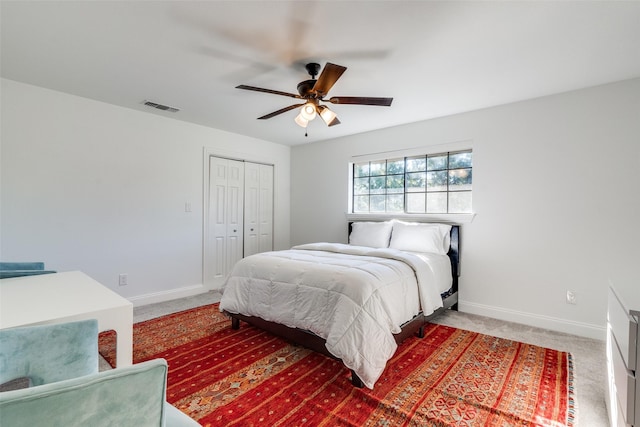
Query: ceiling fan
313, 92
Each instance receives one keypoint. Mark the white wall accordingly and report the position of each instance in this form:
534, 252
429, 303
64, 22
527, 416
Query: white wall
94, 187
555, 191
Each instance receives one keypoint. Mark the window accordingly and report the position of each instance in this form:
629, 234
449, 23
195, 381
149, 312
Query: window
434, 183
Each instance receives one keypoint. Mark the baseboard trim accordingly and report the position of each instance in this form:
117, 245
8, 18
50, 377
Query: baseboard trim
546, 322
169, 295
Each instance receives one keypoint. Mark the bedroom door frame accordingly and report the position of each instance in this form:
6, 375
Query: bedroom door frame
208, 250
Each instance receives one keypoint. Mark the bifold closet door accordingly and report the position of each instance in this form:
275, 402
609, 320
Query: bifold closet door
226, 215
258, 208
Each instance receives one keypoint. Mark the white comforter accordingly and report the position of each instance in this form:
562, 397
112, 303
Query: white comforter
354, 297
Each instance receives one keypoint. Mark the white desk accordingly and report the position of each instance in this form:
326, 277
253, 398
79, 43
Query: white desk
66, 297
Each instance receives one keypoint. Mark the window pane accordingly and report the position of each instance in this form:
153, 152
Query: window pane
361, 204
395, 203
416, 181
416, 203
460, 160
460, 179
416, 164
361, 186
395, 166
377, 184
460, 202
377, 203
437, 181
395, 184
436, 202
378, 168
437, 162
361, 169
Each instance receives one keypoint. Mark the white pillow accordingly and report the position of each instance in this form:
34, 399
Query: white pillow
372, 234
420, 237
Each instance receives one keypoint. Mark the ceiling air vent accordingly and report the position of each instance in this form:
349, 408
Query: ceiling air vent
161, 107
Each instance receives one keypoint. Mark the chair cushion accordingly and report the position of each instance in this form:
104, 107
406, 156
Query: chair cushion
128, 396
49, 353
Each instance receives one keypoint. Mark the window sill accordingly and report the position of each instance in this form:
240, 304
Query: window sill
443, 218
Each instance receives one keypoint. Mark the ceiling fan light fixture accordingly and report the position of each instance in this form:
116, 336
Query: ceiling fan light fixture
308, 111
327, 115
301, 121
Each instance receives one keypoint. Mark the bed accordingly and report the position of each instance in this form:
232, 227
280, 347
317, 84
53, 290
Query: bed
354, 302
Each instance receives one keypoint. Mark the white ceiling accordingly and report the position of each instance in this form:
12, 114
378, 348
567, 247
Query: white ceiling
434, 58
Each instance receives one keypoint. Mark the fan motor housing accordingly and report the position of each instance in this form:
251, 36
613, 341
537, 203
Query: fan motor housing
305, 88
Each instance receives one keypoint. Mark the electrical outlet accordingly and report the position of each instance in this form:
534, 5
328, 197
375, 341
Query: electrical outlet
571, 297
123, 280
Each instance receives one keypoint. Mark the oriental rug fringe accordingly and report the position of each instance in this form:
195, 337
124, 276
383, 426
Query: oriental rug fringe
451, 377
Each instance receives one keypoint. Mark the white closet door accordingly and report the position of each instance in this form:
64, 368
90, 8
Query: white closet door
226, 198
235, 216
251, 212
258, 208
265, 218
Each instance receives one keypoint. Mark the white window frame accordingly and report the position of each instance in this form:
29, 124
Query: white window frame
452, 218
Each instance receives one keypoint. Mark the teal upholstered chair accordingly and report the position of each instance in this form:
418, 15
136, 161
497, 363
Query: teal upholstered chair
49, 353
61, 362
18, 269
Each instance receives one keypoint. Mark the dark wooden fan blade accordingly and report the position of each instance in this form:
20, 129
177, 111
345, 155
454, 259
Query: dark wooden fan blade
360, 100
275, 92
283, 110
328, 77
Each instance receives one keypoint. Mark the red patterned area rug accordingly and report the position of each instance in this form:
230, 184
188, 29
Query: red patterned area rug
451, 377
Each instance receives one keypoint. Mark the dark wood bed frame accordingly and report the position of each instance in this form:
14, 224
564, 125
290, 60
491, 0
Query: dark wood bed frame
414, 327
